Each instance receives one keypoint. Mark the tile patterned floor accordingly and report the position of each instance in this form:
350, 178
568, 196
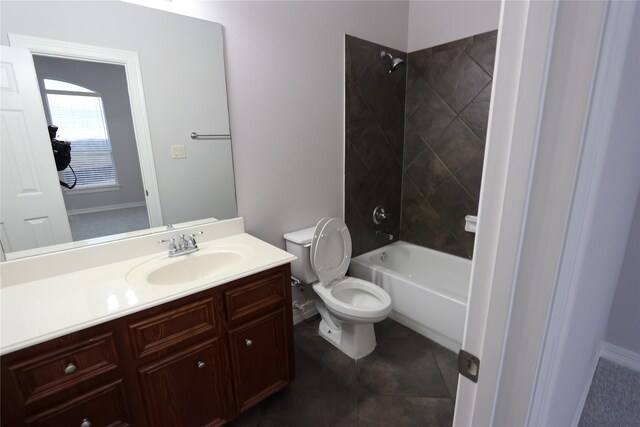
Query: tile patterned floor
407, 381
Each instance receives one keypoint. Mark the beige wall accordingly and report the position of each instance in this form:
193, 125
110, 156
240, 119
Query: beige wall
432, 23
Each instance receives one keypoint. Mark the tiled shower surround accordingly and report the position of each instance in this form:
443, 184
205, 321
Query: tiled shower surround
445, 111
374, 142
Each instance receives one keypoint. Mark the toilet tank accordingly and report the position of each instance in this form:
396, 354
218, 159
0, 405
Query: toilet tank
299, 244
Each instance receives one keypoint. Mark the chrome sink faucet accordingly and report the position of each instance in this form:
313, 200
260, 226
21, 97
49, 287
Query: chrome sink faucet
186, 245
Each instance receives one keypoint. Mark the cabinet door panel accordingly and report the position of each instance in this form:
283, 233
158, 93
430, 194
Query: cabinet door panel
103, 406
259, 355
186, 388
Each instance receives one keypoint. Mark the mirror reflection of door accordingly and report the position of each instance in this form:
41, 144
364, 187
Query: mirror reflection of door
89, 103
32, 211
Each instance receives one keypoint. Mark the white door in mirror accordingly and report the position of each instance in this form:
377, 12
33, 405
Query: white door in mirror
33, 212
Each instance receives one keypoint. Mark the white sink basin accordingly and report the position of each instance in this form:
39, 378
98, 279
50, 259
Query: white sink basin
195, 268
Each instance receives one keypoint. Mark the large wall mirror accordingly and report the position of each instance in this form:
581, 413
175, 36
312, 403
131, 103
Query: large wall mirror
127, 86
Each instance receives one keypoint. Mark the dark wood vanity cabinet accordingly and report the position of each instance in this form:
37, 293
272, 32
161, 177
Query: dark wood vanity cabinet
259, 354
187, 388
76, 379
200, 360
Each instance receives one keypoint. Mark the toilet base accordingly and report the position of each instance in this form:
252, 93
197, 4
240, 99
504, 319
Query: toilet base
356, 340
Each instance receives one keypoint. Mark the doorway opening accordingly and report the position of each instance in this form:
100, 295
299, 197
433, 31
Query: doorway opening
88, 103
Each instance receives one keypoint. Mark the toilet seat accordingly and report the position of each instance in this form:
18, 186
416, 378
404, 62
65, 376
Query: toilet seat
355, 300
331, 250
314, 238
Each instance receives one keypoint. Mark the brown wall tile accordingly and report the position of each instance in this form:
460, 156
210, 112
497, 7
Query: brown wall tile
442, 184
415, 141
374, 142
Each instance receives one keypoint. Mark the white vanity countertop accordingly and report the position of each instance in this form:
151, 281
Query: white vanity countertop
40, 310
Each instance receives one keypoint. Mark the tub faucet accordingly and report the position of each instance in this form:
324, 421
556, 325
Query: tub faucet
381, 233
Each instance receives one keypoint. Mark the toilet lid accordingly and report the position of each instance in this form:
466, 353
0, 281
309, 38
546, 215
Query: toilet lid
332, 251
314, 239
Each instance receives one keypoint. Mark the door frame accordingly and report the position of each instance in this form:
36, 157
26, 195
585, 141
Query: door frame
131, 63
526, 256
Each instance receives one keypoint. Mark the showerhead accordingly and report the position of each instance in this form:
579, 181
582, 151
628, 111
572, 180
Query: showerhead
395, 62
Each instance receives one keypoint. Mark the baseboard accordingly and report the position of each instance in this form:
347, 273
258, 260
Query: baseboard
587, 387
106, 208
620, 356
307, 313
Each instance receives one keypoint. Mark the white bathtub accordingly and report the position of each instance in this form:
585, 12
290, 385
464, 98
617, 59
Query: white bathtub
428, 288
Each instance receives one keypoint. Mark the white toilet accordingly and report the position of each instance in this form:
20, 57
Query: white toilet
349, 306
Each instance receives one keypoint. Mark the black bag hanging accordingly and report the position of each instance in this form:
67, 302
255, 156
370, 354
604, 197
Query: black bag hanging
75, 180
62, 155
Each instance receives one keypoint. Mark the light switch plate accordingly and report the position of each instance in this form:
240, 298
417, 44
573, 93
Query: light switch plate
178, 152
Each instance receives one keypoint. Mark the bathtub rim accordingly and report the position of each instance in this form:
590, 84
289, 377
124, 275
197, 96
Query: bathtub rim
362, 260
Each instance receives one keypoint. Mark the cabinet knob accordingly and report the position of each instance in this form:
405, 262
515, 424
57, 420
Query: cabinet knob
70, 369
248, 342
85, 423
201, 365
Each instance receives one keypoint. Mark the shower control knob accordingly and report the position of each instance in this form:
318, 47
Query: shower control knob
248, 342
379, 215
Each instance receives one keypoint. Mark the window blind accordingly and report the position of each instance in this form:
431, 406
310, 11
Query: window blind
81, 121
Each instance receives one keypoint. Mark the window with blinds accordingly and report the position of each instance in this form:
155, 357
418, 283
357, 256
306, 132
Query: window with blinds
79, 114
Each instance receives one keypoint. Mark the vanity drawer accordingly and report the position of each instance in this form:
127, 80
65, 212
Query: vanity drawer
64, 367
260, 294
172, 327
103, 406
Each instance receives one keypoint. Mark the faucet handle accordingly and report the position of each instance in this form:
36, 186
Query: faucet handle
172, 244
379, 215
192, 240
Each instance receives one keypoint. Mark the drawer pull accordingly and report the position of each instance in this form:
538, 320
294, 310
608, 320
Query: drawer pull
248, 342
201, 365
70, 369
85, 423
